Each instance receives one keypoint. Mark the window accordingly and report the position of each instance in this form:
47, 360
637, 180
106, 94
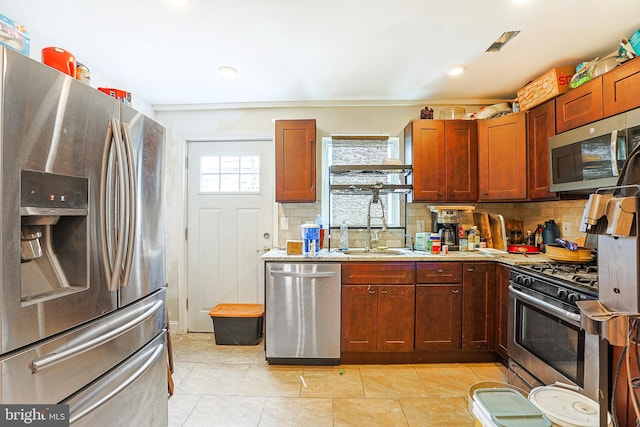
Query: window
350, 207
230, 174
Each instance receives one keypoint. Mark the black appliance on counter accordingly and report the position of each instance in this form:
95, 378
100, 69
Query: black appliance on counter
545, 340
444, 221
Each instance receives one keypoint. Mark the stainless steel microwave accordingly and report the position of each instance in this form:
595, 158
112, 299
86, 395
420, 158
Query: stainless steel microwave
592, 156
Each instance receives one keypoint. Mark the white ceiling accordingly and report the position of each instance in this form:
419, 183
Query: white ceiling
323, 51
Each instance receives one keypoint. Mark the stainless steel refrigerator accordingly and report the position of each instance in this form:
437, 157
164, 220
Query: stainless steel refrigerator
82, 279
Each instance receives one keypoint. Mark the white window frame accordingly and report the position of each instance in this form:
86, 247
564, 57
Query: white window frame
392, 204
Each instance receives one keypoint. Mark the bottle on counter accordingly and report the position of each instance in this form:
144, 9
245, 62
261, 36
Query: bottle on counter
471, 240
344, 236
318, 222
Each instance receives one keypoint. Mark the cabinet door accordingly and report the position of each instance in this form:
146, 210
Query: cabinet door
542, 125
620, 88
424, 148
359, 318
295, 160
461, 157
502, 309
478, 306
579, 106
502, 158
396, 308
438, 317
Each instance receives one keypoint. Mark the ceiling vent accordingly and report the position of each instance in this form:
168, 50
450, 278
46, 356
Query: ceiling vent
501, 41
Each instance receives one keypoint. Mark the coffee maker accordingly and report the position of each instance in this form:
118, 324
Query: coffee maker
444, 221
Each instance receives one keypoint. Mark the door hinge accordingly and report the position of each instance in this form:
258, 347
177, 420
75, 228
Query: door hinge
186, 163
187, 304
186, 234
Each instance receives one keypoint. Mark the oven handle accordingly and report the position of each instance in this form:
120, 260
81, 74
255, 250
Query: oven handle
543, 304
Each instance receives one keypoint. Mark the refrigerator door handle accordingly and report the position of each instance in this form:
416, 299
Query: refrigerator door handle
113, 269
118, 382
90, 342
132, 203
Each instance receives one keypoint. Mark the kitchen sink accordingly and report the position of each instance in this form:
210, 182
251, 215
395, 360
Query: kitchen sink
373, 252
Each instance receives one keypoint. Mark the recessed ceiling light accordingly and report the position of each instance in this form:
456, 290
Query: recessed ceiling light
456, 70
227, 72
180, 3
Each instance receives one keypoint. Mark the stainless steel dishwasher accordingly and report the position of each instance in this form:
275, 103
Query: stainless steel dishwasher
302, 313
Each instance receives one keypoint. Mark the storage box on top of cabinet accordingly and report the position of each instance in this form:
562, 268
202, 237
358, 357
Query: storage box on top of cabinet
549, 85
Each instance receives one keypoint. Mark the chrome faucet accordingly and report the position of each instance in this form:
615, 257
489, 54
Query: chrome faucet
375, 199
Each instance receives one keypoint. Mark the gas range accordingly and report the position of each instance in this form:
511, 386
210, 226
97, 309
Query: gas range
563, 282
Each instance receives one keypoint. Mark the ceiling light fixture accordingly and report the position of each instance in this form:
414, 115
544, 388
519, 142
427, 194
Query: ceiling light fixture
227, 72
502, 40
456, 70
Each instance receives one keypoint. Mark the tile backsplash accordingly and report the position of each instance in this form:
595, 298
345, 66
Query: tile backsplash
530, 213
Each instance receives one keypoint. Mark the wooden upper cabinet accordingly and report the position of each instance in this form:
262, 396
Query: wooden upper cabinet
502, 158
620, 88
295, 160
579, 106
461, 153
541, 126
443, 154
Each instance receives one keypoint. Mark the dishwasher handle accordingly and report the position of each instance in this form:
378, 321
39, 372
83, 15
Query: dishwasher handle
314, 275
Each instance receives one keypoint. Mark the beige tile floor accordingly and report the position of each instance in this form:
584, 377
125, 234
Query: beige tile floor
233, 386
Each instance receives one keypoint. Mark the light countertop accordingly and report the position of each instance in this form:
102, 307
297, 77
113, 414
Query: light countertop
406, 255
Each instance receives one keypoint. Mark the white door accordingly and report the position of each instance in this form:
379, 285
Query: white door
230, 209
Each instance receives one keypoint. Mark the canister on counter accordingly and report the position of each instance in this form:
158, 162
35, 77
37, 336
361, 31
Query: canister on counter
464, 245
434, 244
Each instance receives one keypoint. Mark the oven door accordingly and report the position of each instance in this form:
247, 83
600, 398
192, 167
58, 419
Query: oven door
545, 338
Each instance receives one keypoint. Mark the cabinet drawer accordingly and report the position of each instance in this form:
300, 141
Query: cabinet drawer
379, 273
439, 272
620, 88
579, 106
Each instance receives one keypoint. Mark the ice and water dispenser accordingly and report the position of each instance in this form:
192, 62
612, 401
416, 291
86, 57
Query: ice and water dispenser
54, 235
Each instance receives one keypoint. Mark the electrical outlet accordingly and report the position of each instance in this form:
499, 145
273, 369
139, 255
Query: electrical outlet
566, 229
284, 223
420, 226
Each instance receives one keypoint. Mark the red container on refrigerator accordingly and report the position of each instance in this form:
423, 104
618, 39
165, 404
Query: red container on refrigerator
59, 59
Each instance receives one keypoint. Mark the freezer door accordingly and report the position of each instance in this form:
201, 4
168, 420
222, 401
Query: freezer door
132, 394
51, 371
50, 124
146, 139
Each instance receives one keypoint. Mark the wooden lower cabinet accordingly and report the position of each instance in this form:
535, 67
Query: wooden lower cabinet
438, 317
377, 317
478, 307
502, 309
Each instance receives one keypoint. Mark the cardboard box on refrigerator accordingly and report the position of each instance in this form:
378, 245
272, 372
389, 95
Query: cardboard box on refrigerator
549, 85
14, 35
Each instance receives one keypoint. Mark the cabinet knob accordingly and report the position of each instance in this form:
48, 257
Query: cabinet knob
372, 292
384, 291
470, 269
440, 271
455, 291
